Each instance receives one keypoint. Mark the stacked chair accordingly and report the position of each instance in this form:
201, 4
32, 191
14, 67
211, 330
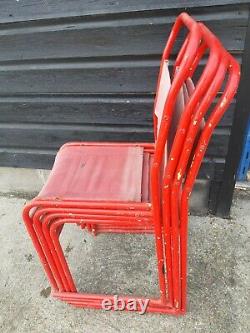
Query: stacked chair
140, 187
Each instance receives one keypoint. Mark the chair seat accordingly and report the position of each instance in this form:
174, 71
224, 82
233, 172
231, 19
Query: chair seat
99, 173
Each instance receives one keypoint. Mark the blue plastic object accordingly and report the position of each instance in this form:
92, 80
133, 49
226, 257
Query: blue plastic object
245, 157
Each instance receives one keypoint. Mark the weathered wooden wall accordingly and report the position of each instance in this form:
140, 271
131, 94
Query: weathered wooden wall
86, 70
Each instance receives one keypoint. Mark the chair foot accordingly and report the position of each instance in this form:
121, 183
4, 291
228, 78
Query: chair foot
116, 303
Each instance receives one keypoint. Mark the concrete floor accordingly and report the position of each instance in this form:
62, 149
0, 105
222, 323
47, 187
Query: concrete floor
218, 277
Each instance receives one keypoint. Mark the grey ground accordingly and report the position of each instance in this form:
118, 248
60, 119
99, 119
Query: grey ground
218, 277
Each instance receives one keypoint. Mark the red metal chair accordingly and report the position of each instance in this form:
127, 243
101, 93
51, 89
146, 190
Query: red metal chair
140, 188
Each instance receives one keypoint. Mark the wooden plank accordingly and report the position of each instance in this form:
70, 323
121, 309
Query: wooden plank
24, 159
113, 76
109, 110
145, 36
35, 9
86, 78
87, 70
241, 117
52, 137
39, 159
219, 143
85, 109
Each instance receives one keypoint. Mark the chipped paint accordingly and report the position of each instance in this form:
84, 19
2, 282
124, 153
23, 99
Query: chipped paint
223, 102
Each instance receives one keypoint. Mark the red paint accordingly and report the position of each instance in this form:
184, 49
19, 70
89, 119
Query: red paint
131, 187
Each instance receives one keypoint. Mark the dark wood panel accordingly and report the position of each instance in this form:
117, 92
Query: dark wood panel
52, 137
37, 9
25, 159
236, 142
63, 109
44, 160
226, 120
145, 36
87, 78
121, 76
116, 110
218, 145
87, 70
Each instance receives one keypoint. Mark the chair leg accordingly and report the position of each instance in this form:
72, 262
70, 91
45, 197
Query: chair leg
45, 229
95, 300
29, 226
183, 247
38, 217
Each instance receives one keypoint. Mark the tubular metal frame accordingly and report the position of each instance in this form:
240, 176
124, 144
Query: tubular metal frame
166, 215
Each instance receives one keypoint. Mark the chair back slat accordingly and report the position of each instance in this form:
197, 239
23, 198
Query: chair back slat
162, 93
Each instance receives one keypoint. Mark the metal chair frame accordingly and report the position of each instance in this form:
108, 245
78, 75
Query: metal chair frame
166, 214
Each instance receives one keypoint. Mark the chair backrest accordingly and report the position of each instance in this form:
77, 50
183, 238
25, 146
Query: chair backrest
184, 134
165, 101
189, 142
